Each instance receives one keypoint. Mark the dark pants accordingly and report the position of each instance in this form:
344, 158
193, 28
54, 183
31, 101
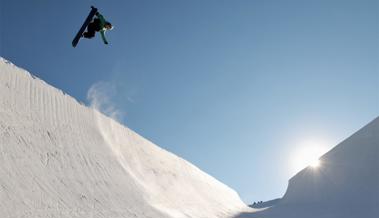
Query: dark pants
92, 28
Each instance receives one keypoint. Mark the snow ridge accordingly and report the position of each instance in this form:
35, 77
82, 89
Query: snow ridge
59, 158
345, 185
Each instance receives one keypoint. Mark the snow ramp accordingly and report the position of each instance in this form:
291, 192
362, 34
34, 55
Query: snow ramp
59, 158
345, 185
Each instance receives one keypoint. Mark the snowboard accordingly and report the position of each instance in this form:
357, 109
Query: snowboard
84, 26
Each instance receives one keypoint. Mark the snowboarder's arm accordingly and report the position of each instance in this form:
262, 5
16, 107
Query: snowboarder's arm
101, 18
102, 24
102, 33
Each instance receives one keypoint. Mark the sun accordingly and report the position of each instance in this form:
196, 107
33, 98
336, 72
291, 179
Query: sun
315, 163
307, 155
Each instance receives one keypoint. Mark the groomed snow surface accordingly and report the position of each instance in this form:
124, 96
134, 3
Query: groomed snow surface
60, 159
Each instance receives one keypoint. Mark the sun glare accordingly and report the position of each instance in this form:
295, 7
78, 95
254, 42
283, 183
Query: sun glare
307, 154
315, 164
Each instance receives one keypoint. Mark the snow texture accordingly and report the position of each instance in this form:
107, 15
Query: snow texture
59, 158
346, 185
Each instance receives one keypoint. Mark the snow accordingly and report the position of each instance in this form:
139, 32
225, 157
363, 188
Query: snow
346, 185
59, 158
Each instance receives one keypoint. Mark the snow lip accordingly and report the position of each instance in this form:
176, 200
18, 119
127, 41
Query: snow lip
82, 104
59, 154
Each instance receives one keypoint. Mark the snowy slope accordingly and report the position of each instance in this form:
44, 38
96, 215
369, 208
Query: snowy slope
59, 158
345, 186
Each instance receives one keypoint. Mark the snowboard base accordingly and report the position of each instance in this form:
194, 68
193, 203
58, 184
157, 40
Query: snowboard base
84, 26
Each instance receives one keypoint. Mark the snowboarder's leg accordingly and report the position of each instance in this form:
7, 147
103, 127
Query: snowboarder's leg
88, 35
85, 24
90, 31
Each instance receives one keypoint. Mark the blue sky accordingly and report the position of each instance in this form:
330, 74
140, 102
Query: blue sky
235, 87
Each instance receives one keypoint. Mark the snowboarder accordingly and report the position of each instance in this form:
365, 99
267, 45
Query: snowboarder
99, 24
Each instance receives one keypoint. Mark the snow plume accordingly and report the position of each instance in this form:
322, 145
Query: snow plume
101, 97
